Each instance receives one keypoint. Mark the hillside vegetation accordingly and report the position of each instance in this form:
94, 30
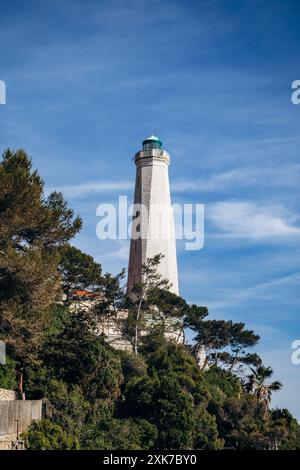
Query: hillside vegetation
160, 395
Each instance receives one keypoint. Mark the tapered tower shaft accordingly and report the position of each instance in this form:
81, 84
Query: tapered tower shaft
153, 222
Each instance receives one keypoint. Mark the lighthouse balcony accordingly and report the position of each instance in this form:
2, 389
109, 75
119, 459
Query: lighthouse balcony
155, 154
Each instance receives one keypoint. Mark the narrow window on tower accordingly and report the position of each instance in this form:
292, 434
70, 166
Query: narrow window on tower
138, 180
135, 245
134, 279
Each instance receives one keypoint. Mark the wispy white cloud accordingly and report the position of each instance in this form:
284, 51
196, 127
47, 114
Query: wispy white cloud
286, 176
121, 253
79, 190
232, 297
251, 221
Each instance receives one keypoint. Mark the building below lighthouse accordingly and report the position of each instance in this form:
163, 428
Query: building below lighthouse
153, 229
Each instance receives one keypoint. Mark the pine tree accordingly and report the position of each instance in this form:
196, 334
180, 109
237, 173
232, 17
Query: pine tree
33, 230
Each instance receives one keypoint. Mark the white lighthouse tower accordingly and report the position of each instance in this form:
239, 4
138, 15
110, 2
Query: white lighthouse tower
153, 222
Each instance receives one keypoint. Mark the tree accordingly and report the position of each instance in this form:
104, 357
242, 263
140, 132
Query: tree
172, 314
77, 356
26, 216
214, 335
116, 434
240, 422
79, 375
224, 341
206, 435
168, 396
290, 438
65, 405
154, 340
259, 386
8, 374
141, 302
45, 435
164, 403
222, 384
151, 306
133, 365
240, 340
32, 231
107, 309
155, 397
79, 270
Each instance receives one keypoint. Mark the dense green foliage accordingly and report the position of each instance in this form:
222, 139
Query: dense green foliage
46, 435
160, 395
8, 374
33, 230
78, 270
158, 399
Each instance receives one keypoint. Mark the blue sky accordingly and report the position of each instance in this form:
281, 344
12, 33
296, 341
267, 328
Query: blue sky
87, 81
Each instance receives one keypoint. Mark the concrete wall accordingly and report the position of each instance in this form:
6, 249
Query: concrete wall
17, 416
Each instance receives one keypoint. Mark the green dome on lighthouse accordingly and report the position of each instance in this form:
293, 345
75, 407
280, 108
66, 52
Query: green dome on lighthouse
152, 142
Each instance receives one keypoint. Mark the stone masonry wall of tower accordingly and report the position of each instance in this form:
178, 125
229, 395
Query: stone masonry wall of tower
152, 191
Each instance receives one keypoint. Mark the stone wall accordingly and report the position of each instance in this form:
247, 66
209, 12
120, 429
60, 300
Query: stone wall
9, 442
7, 394
154, 213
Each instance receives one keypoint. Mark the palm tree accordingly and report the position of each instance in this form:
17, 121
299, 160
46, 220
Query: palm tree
259, 385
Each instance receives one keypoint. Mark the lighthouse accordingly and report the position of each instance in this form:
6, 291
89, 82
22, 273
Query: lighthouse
153, 229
